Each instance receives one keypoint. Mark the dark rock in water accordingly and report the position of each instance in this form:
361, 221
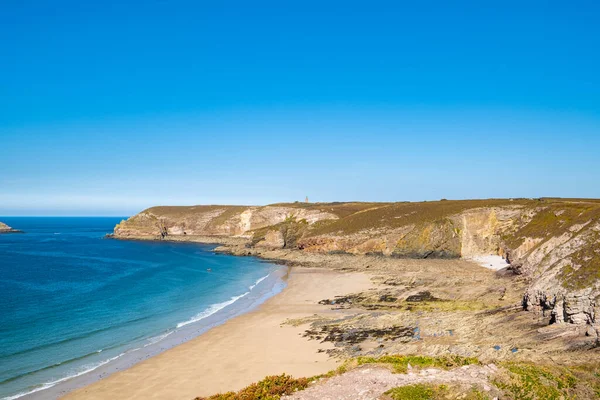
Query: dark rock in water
421, 296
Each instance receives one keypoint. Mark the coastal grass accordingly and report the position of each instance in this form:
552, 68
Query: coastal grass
340, 209
429, 306
434, 392
415, 392
528, 381
584, 267
291, 230
270, 388
515, 380
553, 218
395, 215
186, 211
275, 386
400, 363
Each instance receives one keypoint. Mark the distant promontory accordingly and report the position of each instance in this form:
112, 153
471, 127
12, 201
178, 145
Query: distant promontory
7, 229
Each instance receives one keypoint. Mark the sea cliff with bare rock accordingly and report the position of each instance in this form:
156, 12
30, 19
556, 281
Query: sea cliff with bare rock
551, 245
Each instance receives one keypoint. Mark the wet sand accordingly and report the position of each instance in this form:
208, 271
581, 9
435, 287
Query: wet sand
242, 350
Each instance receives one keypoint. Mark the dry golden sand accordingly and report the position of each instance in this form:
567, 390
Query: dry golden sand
239, 352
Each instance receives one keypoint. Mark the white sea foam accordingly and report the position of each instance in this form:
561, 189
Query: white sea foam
219, 306
48, 385
211, 310
204, 314
156, 339
259, 280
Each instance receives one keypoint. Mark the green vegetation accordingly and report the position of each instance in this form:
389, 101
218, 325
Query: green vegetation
448, 306
422, 302
428, 306
415, 392
341, 209
434, 392
524, 381
587, 271
516, 381
400, 363
554, 219
186, 211
270, 388
292, 229
396, 215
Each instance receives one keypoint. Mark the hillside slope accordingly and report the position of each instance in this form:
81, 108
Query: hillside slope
553, 243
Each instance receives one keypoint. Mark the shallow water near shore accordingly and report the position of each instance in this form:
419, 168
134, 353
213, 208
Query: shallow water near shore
75, 307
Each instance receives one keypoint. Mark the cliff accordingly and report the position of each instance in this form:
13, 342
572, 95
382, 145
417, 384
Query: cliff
552, 243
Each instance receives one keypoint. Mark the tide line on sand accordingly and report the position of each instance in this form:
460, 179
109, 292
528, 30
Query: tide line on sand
212, 309
219, 306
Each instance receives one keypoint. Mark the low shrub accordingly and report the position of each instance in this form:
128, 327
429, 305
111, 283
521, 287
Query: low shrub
270, 388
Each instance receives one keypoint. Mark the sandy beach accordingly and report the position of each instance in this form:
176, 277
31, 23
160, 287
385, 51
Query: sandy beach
241, 351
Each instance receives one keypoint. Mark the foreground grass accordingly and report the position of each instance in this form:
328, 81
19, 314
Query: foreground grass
515, 380
434, 392
270, 388
524, 381
400, 363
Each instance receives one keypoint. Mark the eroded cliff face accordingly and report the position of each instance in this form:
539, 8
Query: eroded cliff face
553, 244
565, 272
473, 232
161, 222
557, 248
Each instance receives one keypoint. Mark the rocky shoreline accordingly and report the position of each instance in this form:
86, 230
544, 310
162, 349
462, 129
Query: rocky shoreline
478, 312
552, 244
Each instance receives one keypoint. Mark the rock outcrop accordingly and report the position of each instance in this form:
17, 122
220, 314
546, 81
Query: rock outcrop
553, 243
7, 229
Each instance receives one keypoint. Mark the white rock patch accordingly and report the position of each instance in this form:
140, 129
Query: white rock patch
491, 261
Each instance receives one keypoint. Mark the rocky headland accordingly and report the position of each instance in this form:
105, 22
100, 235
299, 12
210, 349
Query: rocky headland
7, 229
553, 245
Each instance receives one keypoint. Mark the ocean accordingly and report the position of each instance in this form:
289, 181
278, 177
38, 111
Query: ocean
73, 303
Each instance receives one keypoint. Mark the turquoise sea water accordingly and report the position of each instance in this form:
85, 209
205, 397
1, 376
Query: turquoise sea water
72, 301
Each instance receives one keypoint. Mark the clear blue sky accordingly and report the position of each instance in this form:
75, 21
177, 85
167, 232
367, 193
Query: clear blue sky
111, 107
